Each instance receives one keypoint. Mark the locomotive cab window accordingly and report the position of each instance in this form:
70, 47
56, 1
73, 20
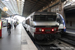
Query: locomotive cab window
44, 17
31, 18
27, 22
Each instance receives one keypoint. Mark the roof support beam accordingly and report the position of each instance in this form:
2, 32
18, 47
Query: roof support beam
49, 5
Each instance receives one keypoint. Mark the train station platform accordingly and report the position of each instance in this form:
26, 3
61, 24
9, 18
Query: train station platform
71, 31
18, 40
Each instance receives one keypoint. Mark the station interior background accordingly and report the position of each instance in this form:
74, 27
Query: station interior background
65, 7
18, 10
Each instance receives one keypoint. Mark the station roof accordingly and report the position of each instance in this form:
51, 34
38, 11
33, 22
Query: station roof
34, 5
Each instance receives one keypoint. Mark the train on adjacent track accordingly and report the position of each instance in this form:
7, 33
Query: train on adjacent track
45, 25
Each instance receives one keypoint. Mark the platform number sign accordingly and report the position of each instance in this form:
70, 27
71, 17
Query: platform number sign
0, 24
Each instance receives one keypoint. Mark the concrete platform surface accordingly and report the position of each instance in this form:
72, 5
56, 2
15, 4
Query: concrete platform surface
26, 42
72, 31
18, 40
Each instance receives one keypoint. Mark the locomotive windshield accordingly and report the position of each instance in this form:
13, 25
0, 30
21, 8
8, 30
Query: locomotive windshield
44, 17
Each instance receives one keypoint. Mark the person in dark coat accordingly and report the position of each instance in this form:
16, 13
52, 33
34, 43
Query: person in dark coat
9, 28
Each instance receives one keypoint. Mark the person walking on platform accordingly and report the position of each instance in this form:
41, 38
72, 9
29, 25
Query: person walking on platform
15, 25
9, 28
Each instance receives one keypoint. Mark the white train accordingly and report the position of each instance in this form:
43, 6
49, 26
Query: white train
45, 25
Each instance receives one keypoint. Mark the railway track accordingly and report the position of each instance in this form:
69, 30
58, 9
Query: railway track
64, 45
69, 38
48, 47
56, 46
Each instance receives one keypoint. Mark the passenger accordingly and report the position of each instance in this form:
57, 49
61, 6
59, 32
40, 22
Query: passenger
15, 24
9, 28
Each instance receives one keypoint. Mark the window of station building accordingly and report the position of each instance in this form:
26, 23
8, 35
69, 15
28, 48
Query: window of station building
57, 8
67, 21
54, 9
51, 10
70, 23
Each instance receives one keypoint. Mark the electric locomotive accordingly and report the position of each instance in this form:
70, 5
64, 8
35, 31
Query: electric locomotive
43, 25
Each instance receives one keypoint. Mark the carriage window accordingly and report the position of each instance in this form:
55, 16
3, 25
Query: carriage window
44, 18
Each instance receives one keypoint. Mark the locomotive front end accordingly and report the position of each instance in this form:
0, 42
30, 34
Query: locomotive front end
46, 33
46, 27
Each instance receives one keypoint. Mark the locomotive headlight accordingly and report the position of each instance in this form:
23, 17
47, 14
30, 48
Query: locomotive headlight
40, 29
52, 29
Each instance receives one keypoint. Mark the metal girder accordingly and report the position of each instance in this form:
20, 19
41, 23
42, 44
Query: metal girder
55, 1
35, 5
35, 2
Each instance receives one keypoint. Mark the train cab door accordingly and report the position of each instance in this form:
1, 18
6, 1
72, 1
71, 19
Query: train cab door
31, 27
